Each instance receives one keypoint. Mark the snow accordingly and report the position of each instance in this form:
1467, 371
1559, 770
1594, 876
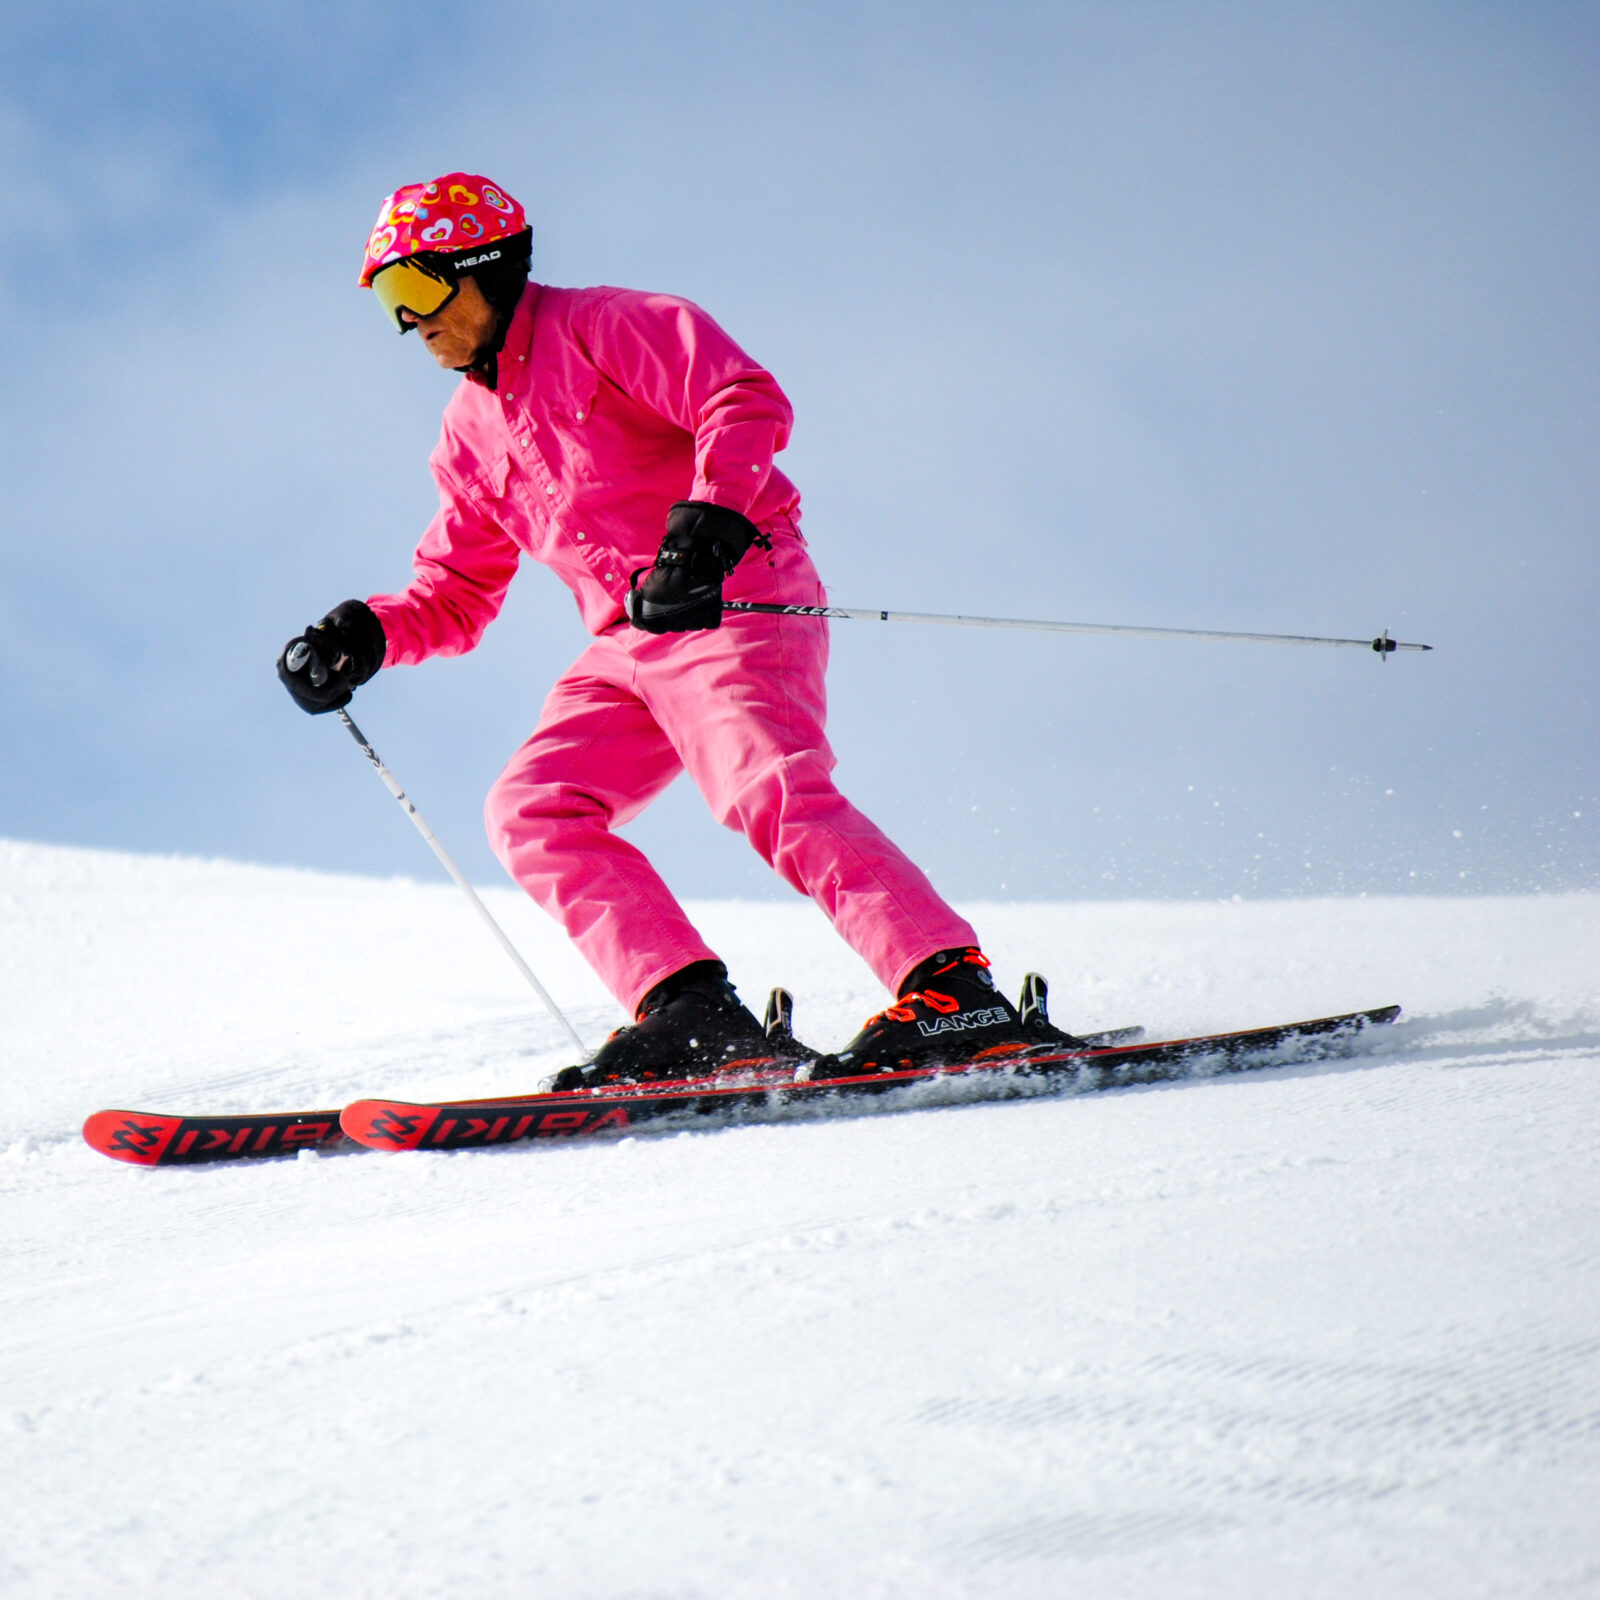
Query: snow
1328, 1330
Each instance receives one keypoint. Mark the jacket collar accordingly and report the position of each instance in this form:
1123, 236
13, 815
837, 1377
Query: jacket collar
514, 346
519, 336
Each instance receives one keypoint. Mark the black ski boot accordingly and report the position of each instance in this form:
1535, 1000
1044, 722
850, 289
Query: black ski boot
690, 1025
948, 1010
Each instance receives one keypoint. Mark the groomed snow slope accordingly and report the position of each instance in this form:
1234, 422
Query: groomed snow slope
1322, 1331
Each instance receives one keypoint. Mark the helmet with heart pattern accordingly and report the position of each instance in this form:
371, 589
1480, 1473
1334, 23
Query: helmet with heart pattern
428, 234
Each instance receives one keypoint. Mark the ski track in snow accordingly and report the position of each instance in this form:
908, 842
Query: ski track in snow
1328, 1330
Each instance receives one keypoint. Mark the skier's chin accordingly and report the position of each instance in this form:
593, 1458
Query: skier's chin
447, 352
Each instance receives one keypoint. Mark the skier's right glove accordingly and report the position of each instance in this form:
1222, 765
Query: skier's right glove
334, 657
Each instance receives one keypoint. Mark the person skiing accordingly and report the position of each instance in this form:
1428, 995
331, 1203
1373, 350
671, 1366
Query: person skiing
625, 441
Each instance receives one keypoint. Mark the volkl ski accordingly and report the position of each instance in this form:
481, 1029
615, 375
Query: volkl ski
1109, 1060
559, 1114
152, 1139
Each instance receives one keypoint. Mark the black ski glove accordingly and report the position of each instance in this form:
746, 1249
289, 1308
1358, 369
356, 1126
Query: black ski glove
682, 592
334, 657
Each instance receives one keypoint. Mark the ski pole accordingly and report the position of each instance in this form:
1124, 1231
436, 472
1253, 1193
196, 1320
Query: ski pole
1383, 644
455, 872
297, 659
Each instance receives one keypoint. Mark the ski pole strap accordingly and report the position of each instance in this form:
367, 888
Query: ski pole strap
1383, 645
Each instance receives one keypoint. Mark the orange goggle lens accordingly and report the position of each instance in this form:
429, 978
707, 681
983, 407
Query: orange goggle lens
409, 286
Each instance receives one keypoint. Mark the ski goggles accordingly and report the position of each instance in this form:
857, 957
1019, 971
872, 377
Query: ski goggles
414, 285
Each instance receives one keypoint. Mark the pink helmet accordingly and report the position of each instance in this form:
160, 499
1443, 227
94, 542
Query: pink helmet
452, 214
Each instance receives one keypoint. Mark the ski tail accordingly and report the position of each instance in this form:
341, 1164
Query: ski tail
1111, 1038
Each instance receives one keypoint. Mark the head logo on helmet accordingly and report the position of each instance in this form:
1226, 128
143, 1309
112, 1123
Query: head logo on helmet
428, 226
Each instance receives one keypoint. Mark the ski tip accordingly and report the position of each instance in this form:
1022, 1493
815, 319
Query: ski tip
137, 1137
387, 1124
154, 1139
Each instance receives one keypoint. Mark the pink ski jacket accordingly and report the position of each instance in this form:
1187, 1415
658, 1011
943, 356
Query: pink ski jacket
609, 406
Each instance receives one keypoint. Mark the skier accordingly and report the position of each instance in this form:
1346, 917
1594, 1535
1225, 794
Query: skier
589, 421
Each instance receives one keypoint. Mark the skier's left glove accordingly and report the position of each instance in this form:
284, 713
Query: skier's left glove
682, 592
340, 653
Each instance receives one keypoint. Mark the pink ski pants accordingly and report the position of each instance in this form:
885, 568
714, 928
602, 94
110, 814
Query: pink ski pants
741, 708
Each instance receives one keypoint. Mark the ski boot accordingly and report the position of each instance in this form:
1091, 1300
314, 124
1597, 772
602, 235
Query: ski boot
691, 1025
948, 1011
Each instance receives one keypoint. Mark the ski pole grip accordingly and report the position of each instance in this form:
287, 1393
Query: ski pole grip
300, 653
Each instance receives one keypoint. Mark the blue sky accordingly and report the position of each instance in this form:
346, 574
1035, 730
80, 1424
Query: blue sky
1238, 316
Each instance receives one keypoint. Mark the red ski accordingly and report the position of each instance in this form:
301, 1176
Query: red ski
150, 1139
563, 1114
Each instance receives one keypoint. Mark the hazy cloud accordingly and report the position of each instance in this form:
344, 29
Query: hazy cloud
1238, 316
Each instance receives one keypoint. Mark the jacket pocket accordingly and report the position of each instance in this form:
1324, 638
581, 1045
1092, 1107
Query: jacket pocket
573, 406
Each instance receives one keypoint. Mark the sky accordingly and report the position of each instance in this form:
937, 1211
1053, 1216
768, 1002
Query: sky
1268, 317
